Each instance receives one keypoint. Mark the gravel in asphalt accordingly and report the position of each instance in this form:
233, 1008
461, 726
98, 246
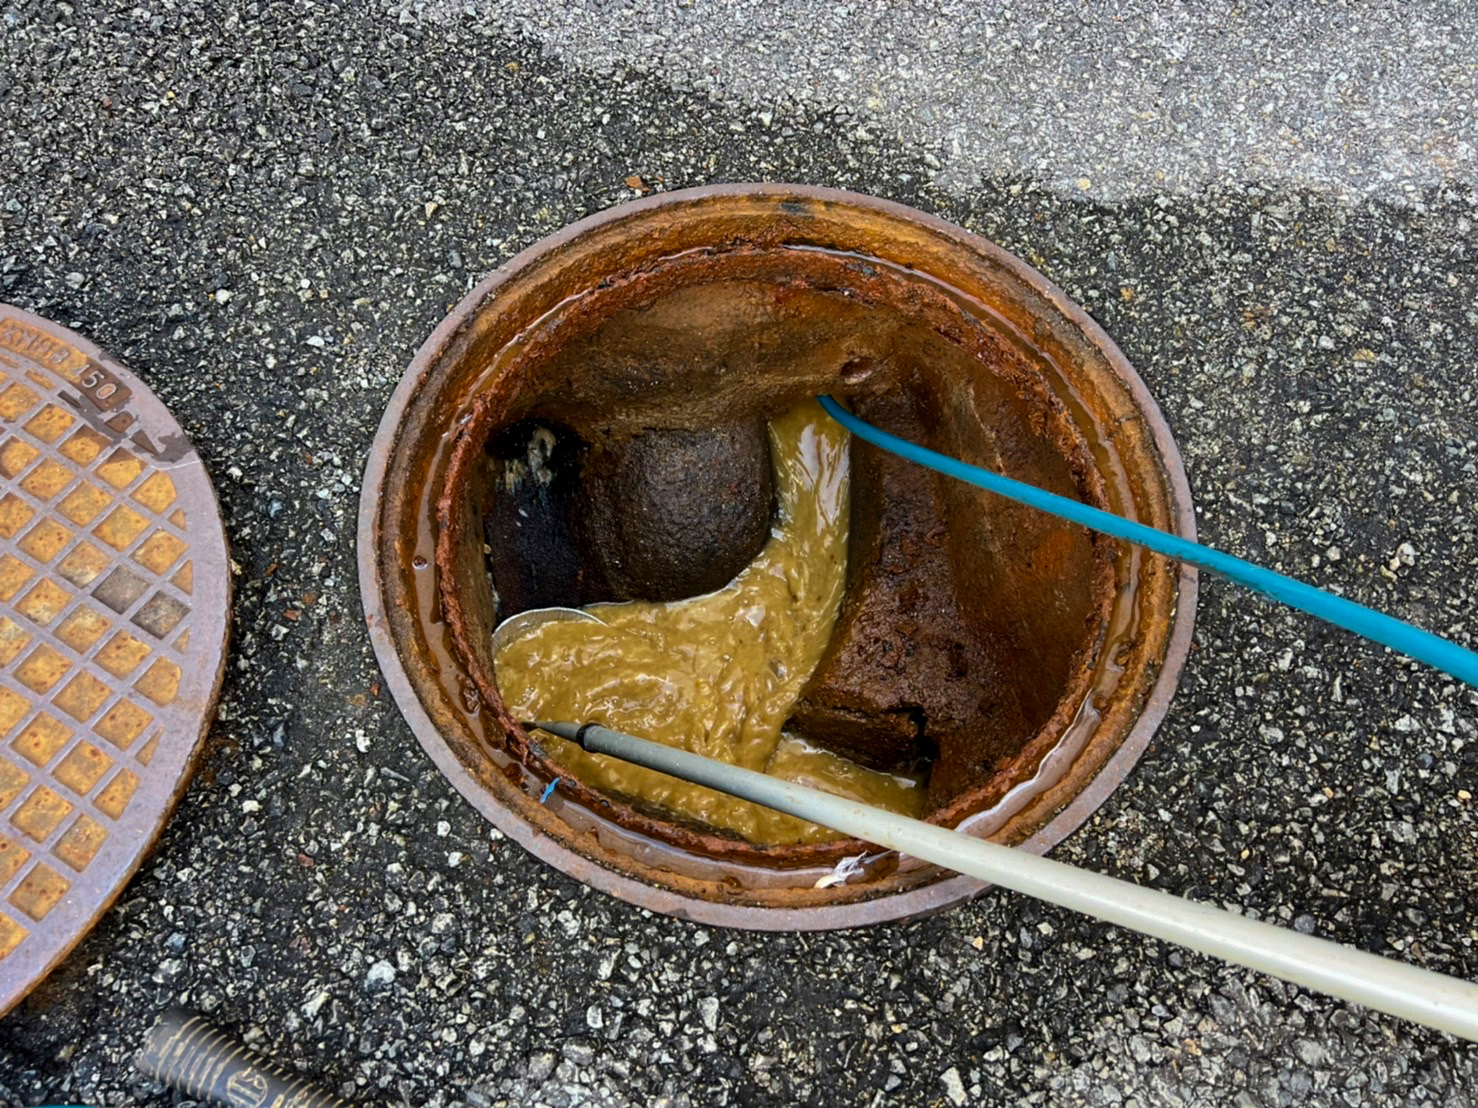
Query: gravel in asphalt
1096, 98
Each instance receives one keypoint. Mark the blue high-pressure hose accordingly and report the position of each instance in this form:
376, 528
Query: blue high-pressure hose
1366, 622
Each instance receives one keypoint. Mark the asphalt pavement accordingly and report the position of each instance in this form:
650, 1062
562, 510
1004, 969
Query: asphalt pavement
264, 208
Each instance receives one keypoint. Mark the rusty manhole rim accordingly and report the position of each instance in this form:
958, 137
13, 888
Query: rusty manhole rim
939, 894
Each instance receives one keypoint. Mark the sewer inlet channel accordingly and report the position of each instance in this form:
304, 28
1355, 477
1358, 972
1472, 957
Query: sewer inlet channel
622, 418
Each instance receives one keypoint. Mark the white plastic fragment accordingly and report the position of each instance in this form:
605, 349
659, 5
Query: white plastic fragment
847, 869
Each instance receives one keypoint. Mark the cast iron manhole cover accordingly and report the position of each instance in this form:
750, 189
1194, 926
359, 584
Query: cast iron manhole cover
114, 591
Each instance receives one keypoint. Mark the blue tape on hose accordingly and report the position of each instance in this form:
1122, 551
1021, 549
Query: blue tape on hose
1366, 622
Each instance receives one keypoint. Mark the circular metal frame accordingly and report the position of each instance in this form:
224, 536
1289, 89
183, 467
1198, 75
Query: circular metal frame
592, 849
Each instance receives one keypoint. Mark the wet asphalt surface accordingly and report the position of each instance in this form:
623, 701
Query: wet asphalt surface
264, 210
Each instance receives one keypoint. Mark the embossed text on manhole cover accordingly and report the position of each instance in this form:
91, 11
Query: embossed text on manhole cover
114, 590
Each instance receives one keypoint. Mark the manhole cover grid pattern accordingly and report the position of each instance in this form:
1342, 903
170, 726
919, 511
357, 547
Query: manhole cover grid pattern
96, 594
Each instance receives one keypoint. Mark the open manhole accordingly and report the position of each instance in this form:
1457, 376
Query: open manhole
114, 593
1013, 665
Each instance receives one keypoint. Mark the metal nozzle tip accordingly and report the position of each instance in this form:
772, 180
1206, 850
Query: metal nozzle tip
563, 730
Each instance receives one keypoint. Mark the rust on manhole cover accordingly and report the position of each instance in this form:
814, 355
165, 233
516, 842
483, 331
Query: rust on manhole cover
114, 591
